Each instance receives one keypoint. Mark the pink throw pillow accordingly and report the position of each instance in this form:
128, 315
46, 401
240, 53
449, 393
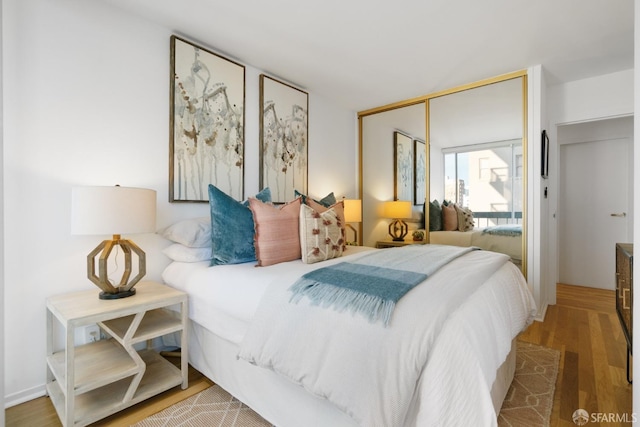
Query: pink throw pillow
449, 218
277, 237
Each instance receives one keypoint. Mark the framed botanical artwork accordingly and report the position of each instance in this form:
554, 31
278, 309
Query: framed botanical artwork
419, 172
206, 144
403, 166
284, 123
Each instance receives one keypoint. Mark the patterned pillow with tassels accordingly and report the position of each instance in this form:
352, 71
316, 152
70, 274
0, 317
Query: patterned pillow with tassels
465, 218
321, 234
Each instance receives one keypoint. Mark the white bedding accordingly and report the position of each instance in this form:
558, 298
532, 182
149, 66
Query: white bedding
224, 300
509, 245
464, 335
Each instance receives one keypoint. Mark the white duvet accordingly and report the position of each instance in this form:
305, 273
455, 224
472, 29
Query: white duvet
433, 365
225, 298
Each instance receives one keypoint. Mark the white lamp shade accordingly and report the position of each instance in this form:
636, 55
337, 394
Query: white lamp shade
397, 209
112, 210
352, 210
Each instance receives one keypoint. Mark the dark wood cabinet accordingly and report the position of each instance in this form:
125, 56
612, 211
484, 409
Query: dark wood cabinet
624, 293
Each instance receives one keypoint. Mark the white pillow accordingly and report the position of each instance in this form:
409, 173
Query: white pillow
182, 253
194, 232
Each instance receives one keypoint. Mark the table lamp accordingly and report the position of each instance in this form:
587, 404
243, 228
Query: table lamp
352, 213
397, 210
113, 211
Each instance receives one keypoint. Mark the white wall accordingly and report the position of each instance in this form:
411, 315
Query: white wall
594, 98
86, 90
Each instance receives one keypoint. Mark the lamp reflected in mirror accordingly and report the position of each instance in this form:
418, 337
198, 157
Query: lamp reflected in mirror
397, 210
352, 214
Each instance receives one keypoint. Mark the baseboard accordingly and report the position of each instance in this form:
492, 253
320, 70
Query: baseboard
541, 313
24, 396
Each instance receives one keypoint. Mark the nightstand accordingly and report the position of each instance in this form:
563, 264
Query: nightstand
91, 381
380, 244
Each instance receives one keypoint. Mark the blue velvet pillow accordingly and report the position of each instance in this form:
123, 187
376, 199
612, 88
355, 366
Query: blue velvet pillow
232, 229
327, 201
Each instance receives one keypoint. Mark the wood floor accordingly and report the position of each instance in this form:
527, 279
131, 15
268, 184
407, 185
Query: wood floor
583, 326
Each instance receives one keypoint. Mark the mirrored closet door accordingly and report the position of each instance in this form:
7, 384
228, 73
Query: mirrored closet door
475, 142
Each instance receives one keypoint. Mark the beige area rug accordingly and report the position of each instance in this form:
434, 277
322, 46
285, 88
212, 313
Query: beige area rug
212, 407
528, 402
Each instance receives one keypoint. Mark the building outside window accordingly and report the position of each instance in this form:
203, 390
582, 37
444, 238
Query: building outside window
485, 172
486, 178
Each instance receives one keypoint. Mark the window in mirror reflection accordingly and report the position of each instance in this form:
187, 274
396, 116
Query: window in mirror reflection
487, 179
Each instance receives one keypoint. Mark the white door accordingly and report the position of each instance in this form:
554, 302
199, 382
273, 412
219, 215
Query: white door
595, 210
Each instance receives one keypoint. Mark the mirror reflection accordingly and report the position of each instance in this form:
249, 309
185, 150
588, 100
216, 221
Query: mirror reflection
474, 150
477, 165
381, 177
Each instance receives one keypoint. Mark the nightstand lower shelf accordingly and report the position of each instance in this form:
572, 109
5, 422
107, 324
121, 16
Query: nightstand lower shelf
160, 375
90, 359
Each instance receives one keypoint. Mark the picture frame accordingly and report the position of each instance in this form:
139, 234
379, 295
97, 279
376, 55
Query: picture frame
206, 120
284, 134
544, 155
403, 166
419, 172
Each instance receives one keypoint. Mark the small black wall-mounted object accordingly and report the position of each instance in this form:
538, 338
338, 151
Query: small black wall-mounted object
545, 155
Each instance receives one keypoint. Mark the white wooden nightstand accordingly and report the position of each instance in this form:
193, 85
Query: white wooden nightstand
92, 381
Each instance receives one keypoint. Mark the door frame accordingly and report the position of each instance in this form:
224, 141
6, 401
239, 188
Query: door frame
554, 199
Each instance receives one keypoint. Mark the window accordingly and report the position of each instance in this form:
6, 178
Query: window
486, 178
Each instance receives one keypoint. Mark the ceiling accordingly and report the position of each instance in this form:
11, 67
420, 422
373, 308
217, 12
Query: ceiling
363, 54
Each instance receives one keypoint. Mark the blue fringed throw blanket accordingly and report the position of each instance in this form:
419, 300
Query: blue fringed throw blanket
504, 230
373, 284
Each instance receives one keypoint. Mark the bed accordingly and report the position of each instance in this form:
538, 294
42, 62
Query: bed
300, 364
453, 224
505, 239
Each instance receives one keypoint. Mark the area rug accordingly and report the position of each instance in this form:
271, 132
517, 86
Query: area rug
212, 407
528, 402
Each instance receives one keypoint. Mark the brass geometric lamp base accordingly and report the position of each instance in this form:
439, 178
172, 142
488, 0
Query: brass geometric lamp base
125, 287
354, 242
398, 230
117, 295
397, 209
